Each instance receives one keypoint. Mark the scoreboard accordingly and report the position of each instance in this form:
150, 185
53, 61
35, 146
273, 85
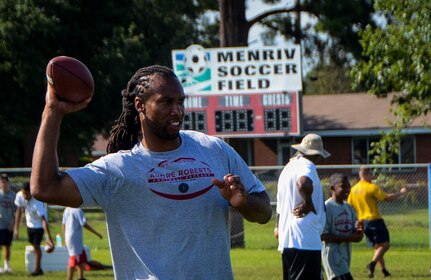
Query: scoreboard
241, 91
243, 115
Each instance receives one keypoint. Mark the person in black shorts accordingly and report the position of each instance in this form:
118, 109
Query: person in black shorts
35, 215
7, 220
364, 197
301, 211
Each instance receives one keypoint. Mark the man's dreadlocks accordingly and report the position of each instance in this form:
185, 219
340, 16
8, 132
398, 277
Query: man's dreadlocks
125, 132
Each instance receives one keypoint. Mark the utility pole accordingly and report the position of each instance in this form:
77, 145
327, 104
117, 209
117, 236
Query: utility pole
233, 32
298, 33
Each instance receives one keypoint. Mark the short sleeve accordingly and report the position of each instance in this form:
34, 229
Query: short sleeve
63, 221
41, 211
92, 181
82, 219
379, 194
327, 227
18, 200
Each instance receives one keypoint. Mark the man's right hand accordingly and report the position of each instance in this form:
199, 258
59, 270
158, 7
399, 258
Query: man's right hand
303, 209
60, 106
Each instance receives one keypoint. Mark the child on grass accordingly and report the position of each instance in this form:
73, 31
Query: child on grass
342, 227
37, 224
7, 220
73, 222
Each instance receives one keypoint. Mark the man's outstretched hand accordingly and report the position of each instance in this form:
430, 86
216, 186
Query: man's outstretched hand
232, 190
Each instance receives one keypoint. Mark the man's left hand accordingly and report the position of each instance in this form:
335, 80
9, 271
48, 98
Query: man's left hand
232, 189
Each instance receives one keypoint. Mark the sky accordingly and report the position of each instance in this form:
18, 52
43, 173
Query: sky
255, 7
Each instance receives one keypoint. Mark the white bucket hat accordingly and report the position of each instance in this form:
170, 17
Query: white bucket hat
310, 145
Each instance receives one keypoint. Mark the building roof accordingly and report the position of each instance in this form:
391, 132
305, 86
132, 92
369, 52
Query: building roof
99, 146
353, 113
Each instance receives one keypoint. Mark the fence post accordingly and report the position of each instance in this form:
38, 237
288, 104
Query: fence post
236, 222
429, 203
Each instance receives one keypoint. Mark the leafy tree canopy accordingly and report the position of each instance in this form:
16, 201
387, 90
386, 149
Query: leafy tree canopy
397, 59
333, 39
327, 79
330, 40
397, 56
113, 38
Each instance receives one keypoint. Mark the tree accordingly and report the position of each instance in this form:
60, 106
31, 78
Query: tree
113, 39
397, 59
332, 43
328, 79
333, 39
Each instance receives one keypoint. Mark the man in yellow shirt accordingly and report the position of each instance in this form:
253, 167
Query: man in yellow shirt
364, 197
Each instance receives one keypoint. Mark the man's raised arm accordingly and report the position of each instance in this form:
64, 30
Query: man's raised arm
47, 183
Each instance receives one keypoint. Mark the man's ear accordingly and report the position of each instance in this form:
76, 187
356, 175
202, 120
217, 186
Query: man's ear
139, 104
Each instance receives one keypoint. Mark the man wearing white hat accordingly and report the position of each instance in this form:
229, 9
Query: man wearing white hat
301, 211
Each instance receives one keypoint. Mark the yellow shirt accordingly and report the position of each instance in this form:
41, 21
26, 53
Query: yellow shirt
364, 197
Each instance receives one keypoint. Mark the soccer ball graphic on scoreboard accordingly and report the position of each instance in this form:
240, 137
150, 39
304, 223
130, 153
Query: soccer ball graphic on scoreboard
192, 67
194, 59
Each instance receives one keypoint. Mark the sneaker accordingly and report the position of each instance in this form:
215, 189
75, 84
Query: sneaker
7, 269
37, 273
371, 267
385, 272
1, 270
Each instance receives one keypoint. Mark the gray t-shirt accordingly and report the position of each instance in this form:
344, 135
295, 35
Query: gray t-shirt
165, 218
7, 209
340, 220
74, 220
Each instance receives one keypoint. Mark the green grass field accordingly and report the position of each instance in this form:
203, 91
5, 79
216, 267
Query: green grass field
261, 260
410, 259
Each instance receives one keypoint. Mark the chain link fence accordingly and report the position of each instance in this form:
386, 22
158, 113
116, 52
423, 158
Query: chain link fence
407, 218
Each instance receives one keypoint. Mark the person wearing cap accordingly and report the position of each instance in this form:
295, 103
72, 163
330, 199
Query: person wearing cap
341, 229
301, 212
7, 220
37, 224
364, 197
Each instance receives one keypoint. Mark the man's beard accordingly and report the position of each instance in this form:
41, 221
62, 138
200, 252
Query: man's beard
158, 129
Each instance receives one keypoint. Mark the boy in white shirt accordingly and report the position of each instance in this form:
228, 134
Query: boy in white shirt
37, 224
73, 222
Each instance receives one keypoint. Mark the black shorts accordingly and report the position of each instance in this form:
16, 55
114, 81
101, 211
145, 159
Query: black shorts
6, 237
301, 264
346, 276
35, 236
376, 231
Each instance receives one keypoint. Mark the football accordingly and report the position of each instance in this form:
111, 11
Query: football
49, 249
70, 79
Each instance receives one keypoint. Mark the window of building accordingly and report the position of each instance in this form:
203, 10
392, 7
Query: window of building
284, 151
362, 147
